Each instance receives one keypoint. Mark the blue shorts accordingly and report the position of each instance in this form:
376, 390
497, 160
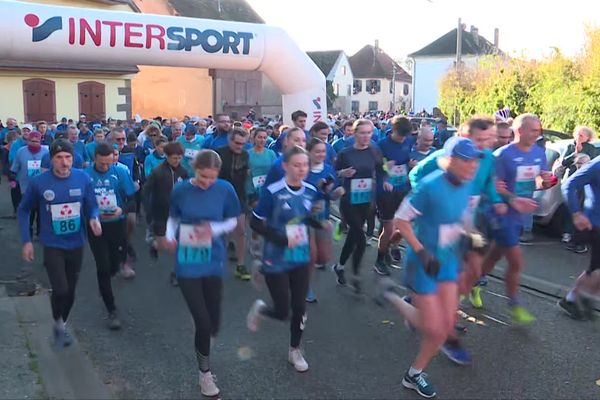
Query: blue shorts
419, 282
507, 235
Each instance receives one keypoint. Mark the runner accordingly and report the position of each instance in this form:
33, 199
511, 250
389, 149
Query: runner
90, 148
520, 168
299, 118
235, 171
436, 209
191, 144
294, 137
358, 166
157, 157
578, 302
283, 216
64, 197
396, 149
321, 131
112, 187
194, 234
344, 141
220, 135
423, 146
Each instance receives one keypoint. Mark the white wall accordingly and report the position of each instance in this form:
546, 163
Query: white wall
343, 81
384, 97
427, 73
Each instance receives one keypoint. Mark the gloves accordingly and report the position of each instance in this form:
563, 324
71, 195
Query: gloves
430, 264
475, 241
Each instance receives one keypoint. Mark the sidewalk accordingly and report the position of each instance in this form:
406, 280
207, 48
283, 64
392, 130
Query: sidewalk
32, 367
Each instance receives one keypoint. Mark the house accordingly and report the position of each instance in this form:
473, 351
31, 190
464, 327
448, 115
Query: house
376, 78
33, 90
176, 91
432, 62
335, 66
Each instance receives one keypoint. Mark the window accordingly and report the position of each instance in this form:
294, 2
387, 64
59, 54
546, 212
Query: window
373, 106
405, 89
349, 91
373, 86
337, 89
344, 70
240, 92
91, 100
40, 100
357, 86
355, 106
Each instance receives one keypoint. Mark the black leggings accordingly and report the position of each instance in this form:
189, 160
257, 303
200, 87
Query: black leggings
356, 215
15, 197
283, 287
109, 251
203, 298
62, 267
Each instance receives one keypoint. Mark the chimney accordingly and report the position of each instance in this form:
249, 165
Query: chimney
475, 34
496, 38
376, 44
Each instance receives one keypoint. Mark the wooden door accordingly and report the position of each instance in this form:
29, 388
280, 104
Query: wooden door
40, 100
91, 100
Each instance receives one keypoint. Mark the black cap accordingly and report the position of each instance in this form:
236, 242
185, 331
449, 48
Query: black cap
59, 146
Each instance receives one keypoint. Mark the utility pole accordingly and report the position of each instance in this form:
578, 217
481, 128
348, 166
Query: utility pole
458, 66
394, 87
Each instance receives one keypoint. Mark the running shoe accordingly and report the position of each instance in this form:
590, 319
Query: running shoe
385, 285
475, 297
67, 339
173, 279
356, 285
520, 315
320, 266
62, 338
589, 308
340, 274
337, 232
114, 324
572, 309
381, 268
396, 254
419, 383
526, 237
483, 281
296, 358
131, 254
566, 238
456, 353
311, 297
207, 384
126, 271
577, 248
254, 315
242, 273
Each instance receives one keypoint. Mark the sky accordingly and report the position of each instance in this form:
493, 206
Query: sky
527, 27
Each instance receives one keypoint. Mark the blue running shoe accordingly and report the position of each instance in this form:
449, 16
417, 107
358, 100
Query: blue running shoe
456, 353
483, 281
420, 384
311, 297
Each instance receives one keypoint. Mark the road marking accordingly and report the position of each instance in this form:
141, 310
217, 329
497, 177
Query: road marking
496, 294
495, 320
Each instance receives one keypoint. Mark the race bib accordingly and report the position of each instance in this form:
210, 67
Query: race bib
397, 175
301, 252
107, 203
525, 180
361, 190
190, 153
34, 167
259, 181
195, 244
66, 218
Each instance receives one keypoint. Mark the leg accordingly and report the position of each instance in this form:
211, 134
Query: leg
491, 258
353, 226
298, 281
54, 261
361, 243
433, 326
278, 285
239, 235
102, 256
73, 260
514, 257
212, 287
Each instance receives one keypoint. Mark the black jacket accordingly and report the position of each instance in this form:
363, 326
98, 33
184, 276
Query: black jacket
235, 170
158, 189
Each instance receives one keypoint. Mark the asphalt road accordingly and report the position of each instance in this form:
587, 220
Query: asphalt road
355, 349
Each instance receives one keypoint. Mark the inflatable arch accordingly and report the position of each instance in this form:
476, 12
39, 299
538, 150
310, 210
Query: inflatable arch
35, 32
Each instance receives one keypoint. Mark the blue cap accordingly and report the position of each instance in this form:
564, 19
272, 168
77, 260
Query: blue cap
191, 129
462, 148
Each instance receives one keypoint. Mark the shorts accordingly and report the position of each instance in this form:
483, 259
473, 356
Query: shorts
419, 282
507, 235
388, 203
592, 238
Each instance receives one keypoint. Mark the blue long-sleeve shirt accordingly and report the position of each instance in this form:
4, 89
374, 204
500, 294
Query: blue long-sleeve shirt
589, 174
64, 204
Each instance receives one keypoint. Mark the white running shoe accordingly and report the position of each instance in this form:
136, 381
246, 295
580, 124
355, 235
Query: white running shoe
207, 384
126, 271
296, 358
254, 317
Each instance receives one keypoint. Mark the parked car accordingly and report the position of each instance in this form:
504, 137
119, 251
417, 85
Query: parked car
551, 201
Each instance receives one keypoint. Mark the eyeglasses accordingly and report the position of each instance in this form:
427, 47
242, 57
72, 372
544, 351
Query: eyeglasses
120, 139
224, 122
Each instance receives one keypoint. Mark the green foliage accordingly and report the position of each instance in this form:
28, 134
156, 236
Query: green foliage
563, 92
331, 96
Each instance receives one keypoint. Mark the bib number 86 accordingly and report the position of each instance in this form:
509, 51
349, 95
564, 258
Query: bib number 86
67, 226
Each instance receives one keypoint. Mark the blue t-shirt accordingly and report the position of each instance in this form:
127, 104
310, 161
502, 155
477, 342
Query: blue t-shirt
79, 148
90, 149
341, 143
111, 188
27, 165
330, 154
64, 204
419, 155
190, 150
439, 208
276, 172
152, 161
277, 145
199, 254
586, 176
315, 177
260, 164
17, 144
285, 211
519, 170
77, 161
400, 154
215, 141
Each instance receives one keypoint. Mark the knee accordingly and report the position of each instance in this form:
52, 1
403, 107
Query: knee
436, 332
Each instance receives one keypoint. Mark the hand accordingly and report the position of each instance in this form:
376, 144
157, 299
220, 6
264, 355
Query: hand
12, 184
166, 244
546, 179
430, 264
327, 226
412, 163
500, 208
523, 205
475, 241
27, 252
347, 172
581, 222
501, 187
96, 227
388, 187
390, 164
578, 147
205, 227
115, 214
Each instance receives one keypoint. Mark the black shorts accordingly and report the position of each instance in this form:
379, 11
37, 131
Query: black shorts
388, 203
592, 238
